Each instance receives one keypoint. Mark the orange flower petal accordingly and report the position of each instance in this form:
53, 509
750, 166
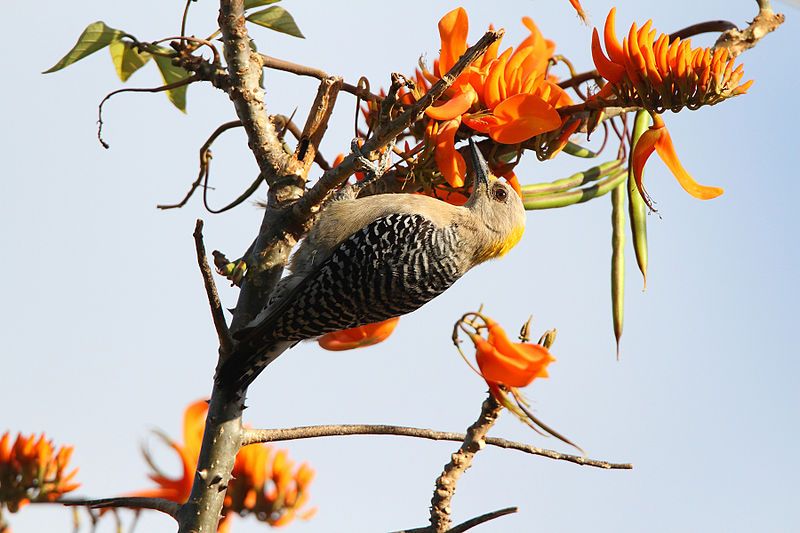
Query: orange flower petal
450, 162
494, 88
521, 117
613, 45
511, 179
453, 29
456, 106
666, 151
576, 5
641, 153
358, 337
608, 69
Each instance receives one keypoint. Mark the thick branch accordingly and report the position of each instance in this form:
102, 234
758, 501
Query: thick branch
244, 70
317, 122
156, 504
738, 41
254, 436
460, 461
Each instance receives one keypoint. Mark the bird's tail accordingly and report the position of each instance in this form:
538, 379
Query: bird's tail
244, 365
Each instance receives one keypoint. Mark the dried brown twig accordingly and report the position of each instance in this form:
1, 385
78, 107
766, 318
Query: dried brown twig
253, 436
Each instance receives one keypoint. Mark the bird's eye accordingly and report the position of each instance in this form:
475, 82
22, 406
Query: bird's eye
500, 194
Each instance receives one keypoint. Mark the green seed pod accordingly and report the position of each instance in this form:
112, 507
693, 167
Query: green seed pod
575, 196
578, 151
618, 259
636, 205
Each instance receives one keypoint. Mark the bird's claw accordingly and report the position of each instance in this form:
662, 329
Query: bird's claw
373, 169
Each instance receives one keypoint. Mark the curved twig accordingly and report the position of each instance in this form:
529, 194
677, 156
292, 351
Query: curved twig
205, 157
254, 436
168, 87
313, 72
710, 26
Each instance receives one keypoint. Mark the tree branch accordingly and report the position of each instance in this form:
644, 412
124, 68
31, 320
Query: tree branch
303, 70
217, 313
156, 504
460, 461
738, 41
254, 436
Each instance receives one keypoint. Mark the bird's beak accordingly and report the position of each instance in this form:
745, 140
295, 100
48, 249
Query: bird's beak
479, 166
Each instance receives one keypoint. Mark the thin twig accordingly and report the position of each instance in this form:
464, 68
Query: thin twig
185, 17
254, 436
131, 502
168, 87
217, 313
205, 161
303, 70
469, 524
478, 520
710, 26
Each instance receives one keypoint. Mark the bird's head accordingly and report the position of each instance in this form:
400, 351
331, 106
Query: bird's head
497, 206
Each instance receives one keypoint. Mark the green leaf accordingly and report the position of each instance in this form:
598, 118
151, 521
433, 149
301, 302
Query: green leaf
278, 19
250, 4
127, 59
95, 37
172, 74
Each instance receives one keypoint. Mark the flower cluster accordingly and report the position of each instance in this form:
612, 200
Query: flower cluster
507, 96
264, 484
508, 364
659, 73
33, 470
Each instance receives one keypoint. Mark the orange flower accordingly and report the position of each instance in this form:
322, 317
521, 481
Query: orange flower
576, 5
659, 73
657, 138
507, 97
270, 488
506, 363
358, 337
33, 470
506, 366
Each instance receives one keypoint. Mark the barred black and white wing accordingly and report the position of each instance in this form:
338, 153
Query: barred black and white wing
391, 267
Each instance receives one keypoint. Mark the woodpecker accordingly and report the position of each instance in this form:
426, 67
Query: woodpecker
375, 258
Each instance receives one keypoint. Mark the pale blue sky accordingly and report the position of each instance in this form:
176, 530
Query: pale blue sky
107, 333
